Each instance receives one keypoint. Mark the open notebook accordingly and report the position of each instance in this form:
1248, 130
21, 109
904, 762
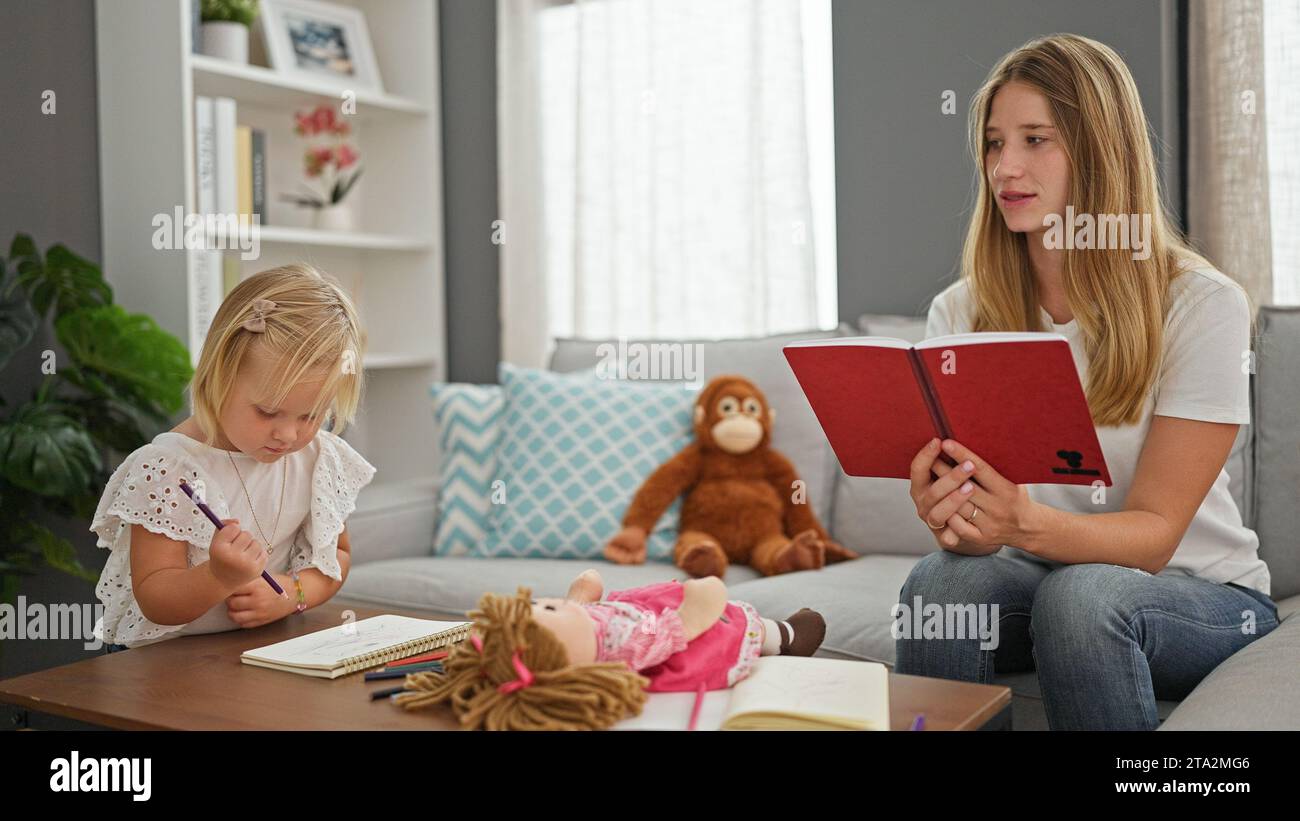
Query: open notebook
781, 693
337, 651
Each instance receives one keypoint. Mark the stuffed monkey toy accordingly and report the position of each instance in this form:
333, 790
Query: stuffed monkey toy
739, 504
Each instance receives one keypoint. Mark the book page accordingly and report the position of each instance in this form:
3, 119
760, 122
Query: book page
854, 691
981, 337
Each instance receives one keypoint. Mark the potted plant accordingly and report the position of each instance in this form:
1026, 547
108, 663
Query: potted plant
123, 378
328, 157
225, 28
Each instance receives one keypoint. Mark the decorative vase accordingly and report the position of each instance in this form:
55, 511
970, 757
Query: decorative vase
333, 218
226, 40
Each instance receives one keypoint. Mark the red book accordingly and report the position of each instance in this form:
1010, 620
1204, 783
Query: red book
1013, 398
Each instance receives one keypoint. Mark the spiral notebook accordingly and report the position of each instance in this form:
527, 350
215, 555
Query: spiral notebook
353, 646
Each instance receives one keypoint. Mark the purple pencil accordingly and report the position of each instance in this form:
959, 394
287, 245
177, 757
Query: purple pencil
212, 517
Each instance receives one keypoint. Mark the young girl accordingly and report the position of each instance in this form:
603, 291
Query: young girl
1116, 596
282, 356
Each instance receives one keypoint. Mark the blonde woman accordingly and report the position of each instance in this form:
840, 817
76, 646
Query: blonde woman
282, 356
1117, 596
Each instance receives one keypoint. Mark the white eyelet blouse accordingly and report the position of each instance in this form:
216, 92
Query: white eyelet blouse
320, 492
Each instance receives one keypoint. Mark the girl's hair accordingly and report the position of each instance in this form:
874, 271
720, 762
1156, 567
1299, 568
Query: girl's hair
313, 332
562, 696
1120, 303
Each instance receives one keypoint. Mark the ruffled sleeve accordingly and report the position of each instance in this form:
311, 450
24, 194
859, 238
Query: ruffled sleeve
145, 490
338, 477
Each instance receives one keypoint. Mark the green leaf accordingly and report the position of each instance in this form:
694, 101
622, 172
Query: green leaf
113, 421
61, 555
343, 192
47, 453
231, 11
18, 322
131, 349
66, 281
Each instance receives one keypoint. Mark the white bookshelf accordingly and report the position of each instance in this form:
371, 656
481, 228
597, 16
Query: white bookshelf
392, 264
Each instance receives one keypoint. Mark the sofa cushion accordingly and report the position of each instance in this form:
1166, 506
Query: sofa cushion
574, 450
452, 585
1277, 446
1255, 689
796, 434
469, 427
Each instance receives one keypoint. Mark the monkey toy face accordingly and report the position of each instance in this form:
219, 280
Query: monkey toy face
733, 414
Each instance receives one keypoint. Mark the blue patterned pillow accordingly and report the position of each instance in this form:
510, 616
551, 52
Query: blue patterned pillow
469, 428
574, 450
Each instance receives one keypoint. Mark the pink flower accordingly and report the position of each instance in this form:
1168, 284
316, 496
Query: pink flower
324, 118
316, 159
344, 156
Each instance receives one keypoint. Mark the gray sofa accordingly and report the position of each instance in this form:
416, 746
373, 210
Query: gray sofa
1255, 689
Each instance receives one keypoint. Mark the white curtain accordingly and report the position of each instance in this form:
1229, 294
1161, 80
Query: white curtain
658, 175
1244, 142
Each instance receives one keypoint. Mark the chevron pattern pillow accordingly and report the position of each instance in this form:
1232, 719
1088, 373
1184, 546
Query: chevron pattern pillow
574, 450
469, 427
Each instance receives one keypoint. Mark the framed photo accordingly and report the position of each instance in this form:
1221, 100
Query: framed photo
323, 41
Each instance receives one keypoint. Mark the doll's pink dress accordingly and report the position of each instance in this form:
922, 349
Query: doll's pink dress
641, 626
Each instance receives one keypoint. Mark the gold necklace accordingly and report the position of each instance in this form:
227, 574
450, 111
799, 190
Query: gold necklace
283, 477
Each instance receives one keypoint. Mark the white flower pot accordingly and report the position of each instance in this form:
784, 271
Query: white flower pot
334, 218
226, 40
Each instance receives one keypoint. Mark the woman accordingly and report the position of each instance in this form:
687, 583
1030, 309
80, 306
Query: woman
1121, 595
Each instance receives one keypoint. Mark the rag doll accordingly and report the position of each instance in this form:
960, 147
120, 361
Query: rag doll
585, 663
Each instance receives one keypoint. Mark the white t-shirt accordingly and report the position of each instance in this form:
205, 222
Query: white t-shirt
321, 483
1207, 330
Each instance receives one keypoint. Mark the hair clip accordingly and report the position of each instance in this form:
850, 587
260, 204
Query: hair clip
257, 322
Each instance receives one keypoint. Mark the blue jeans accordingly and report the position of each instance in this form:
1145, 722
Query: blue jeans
1107, 641
113, 648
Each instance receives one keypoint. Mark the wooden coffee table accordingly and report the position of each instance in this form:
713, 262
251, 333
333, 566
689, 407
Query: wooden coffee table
199, 683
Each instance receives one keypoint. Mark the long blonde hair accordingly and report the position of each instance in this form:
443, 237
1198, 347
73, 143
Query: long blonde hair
313, 330
1119, 302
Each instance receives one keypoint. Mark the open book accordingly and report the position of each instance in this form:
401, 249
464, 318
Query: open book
1013, 398
781, 693
353, 646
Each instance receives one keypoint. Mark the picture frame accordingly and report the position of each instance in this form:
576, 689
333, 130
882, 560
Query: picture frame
321, 41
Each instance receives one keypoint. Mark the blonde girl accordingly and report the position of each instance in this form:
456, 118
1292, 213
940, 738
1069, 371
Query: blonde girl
278, 378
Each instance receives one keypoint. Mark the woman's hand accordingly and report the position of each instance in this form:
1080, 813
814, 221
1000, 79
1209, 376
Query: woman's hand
975, 503
255, 603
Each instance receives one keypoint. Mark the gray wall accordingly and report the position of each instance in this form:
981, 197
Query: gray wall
469, 145
904, 175
49, 188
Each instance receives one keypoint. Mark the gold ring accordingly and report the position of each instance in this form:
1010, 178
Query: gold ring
973, 515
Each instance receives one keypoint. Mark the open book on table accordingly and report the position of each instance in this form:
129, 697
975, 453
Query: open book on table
781, 693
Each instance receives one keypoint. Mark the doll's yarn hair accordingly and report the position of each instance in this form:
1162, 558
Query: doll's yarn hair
563, 696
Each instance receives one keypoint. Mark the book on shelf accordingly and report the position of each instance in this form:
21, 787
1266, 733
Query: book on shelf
258, 175
230, 161
781, 693
244, 169
206, 290
232, 273
353, 646
226, 165
205, 154
1015, 399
